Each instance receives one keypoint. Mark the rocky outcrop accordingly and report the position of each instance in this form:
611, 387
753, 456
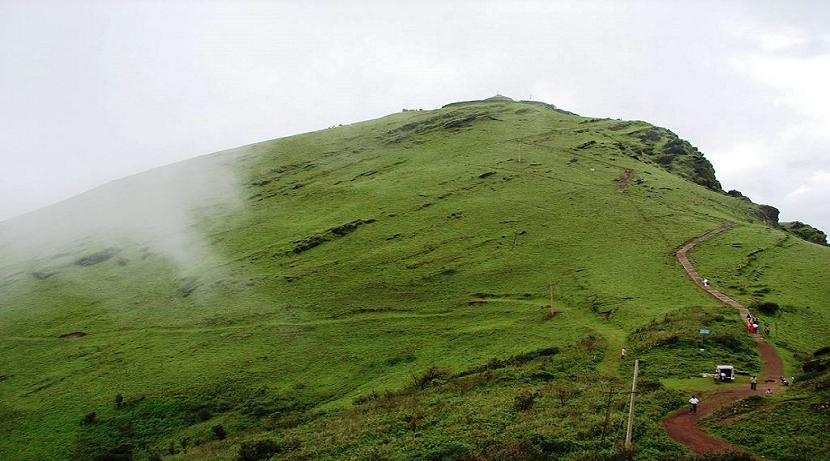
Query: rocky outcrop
768, 214
805, 231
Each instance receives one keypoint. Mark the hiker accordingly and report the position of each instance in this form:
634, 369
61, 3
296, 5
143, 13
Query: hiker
706, 282
766, 329
622, 354
693, 402
753, 384
768, 392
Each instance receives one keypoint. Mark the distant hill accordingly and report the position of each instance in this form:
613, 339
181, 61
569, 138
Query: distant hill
381, 290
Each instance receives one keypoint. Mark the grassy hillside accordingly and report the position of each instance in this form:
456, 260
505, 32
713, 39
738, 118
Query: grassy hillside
781, 278
269, 288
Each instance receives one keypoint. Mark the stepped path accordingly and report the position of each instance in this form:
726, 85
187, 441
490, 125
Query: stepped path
681, 426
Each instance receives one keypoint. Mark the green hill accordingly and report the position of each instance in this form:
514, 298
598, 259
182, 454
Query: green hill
380, 291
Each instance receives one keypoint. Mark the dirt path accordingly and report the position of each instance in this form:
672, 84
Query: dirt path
681, 426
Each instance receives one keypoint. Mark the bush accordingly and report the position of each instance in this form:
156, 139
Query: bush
432, 374
89, 418
447, 452
524, 401
219, 432
258, 450
766, 307
728, 341
119, 453
203, 414
519, 359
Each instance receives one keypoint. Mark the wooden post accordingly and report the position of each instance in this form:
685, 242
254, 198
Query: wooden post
631, 406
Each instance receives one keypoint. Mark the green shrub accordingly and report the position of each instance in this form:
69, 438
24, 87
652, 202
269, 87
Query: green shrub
448, 452
89, 418
219, 432
203, 414
524, 400
765, 307
432, 374
258, 450
119, 453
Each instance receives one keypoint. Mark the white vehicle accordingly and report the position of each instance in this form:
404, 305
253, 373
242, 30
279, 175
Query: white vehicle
724, 373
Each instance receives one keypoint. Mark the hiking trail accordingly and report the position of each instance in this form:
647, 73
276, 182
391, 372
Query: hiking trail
683, 427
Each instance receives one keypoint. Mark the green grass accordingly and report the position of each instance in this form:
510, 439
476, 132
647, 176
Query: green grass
450, 268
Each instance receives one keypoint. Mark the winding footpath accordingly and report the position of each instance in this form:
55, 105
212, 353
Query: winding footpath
681, 426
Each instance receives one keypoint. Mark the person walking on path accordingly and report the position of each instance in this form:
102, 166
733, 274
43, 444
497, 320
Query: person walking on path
706, 282
693, 402
622, 354
753, 383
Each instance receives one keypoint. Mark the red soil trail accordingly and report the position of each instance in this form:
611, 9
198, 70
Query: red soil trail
681, 426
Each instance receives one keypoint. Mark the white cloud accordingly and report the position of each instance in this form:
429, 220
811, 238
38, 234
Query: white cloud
782, 41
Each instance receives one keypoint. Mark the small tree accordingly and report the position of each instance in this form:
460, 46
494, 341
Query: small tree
219, 432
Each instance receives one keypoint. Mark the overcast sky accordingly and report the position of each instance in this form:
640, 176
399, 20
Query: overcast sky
93, 91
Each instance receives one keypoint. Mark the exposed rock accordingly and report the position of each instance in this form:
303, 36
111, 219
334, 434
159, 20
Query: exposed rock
805, 231
768, 214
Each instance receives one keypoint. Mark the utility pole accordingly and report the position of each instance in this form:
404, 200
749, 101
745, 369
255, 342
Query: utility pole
631, 406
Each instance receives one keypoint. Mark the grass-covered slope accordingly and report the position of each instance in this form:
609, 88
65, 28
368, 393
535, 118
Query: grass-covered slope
780, 278
268, 288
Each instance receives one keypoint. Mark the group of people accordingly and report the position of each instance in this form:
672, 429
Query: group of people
753, 324
753, 385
